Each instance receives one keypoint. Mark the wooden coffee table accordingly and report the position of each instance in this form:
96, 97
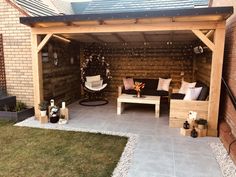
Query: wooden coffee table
126, 98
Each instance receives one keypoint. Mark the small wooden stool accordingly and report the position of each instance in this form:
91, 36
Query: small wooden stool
43, 119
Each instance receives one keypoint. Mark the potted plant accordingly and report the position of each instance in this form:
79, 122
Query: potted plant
201, 123
138, 86
43, 108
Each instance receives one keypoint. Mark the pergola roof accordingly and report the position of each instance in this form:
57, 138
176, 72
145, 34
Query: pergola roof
196, 14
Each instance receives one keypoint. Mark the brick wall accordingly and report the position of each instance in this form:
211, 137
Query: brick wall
17, 53
2, 66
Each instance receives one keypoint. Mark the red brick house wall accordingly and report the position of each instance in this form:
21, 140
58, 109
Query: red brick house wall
2, 66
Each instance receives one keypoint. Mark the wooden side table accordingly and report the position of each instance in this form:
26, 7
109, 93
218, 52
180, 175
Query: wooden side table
43, 119
64, 112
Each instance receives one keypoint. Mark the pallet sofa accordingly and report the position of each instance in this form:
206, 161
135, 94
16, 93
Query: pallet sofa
179, 108
149, 89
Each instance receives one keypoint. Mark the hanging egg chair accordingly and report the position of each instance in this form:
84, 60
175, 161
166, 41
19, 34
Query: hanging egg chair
95, 76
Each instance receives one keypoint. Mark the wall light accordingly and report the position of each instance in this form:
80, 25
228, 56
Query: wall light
198, 50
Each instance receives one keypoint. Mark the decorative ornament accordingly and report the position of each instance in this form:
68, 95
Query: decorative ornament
194, 133
54, 114
186, 125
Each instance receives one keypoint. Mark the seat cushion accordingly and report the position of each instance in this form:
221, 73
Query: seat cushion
162, 93
205, 91
149, 92
93, 78
129, 91
177, 96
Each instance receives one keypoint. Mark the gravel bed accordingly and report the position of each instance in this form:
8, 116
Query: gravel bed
226, 164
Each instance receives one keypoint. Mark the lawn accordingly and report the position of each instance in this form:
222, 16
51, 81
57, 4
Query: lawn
31, 152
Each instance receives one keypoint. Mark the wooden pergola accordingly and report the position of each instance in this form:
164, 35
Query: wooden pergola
205, 23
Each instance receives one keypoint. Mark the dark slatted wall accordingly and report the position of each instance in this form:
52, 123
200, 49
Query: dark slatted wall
146, 61
2, 66
61, 82
203, 67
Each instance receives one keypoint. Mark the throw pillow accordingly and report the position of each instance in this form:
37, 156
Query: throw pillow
128, 83
193, 93
163, 84
185, 86
93, 78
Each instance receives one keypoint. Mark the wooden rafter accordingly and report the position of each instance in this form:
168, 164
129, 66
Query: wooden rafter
144, 37
118, 37
210, 33
204, 39
43, 42
95, 38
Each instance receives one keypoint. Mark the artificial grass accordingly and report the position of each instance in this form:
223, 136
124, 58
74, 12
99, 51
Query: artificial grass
32, 152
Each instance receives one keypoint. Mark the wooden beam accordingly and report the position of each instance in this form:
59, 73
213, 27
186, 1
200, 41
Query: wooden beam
144, 37
43, 42
210, 33
204, 39
37, 73
215, 82
161, 26
118, 37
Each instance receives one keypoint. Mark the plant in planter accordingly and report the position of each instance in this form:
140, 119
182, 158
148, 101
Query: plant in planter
201, 123
43, 108
20, 106
16, 112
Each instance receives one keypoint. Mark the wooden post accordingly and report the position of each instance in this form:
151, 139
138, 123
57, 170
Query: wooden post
215, 82
37, 73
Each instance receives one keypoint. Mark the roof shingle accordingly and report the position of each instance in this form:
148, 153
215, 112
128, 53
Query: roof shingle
37, 7
116, 6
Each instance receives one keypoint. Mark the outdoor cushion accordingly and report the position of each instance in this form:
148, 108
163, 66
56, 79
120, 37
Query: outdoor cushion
93, 78
205, 91
164, 84
129, 91
193, 93
128, 83
185, 85
162, 93
94, 83
177, 96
